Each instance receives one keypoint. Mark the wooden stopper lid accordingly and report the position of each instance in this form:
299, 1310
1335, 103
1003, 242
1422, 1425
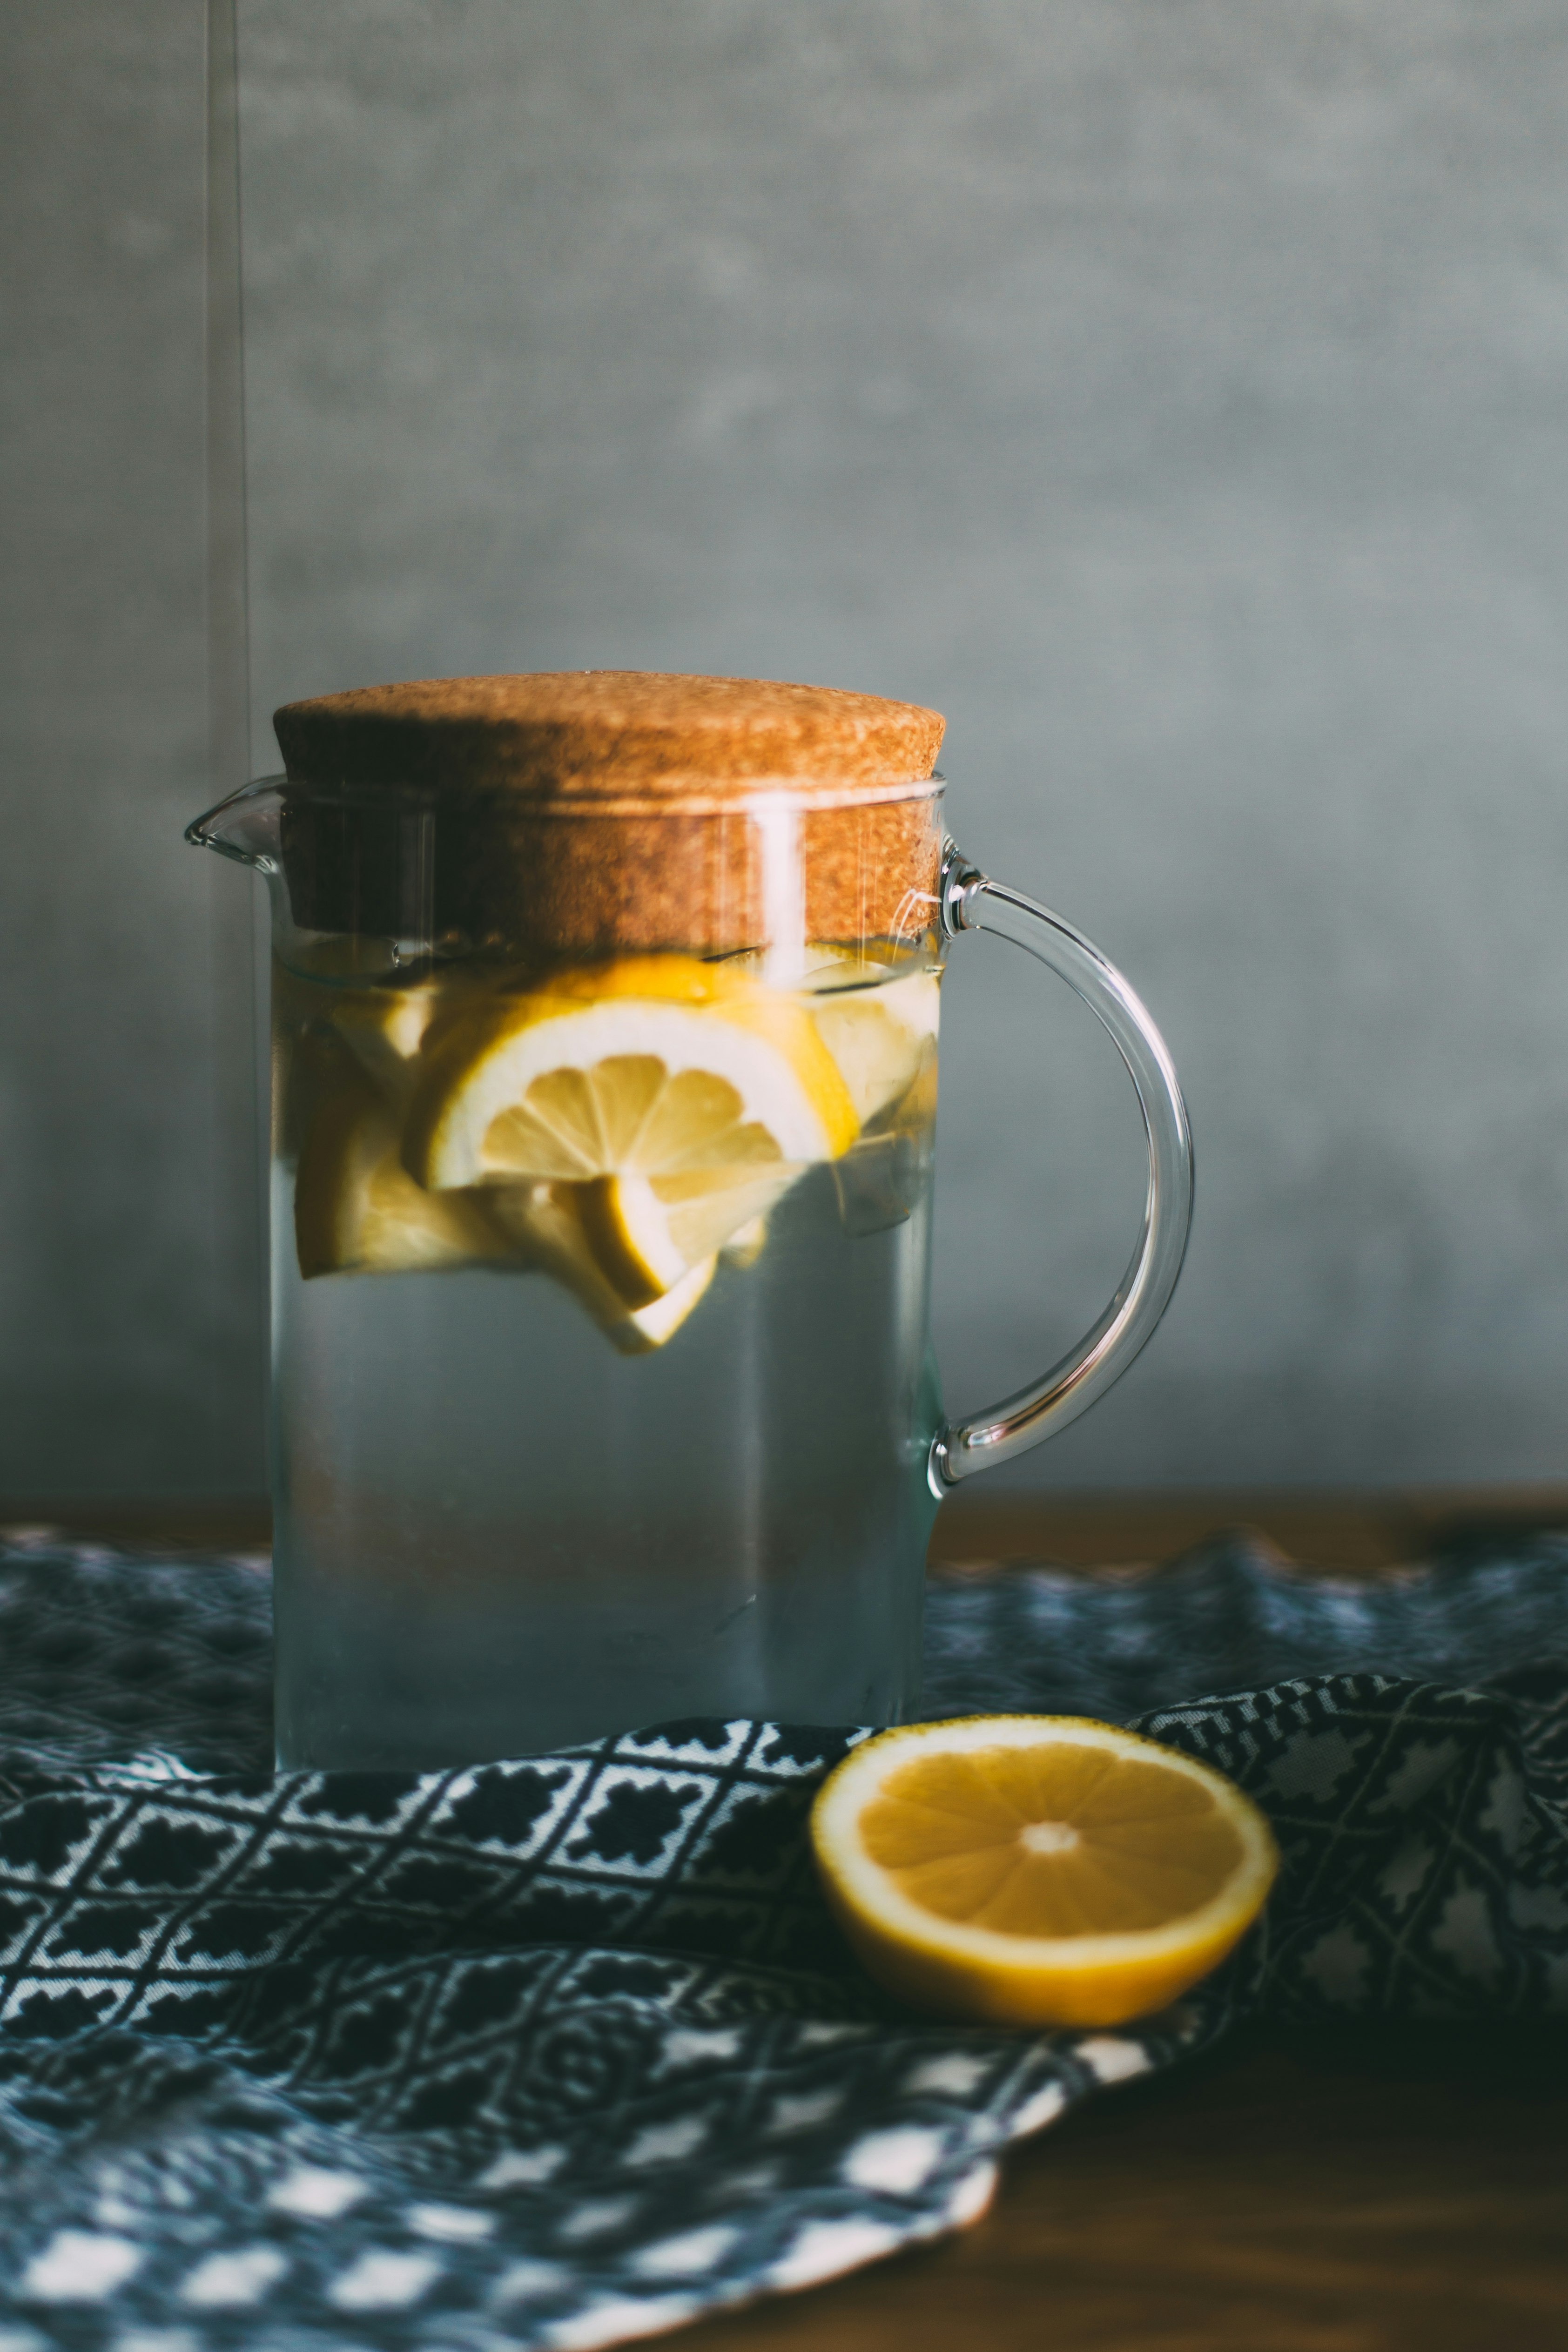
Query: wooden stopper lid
595, 811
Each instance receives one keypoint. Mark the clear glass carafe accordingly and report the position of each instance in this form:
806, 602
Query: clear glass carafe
602, 1145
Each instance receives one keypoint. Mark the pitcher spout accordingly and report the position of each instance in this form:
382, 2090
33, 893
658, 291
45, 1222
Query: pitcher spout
244, 826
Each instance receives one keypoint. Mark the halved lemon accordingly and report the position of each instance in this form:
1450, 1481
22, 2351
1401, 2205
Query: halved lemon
683, 1097
1038, 1870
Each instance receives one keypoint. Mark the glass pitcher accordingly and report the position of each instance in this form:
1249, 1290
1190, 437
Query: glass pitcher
604, 1027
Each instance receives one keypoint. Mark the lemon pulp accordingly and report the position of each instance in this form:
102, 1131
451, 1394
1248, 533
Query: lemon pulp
619, 1127
1037, 1868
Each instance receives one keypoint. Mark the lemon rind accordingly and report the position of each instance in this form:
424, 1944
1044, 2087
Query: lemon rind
476, 1079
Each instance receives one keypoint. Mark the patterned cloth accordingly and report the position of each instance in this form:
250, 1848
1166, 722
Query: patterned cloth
561, 2051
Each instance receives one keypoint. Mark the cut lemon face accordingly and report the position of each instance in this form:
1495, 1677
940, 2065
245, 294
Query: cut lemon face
648, 1233
682, 1097
1038, 1870
544, 1222
624, 1127
356, 1208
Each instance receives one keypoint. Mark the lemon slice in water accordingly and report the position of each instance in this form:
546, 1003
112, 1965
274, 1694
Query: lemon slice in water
356, 1208
881, 1037
681, 1098
545, 1223
384, 1029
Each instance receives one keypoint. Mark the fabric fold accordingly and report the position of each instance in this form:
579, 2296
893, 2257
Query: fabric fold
564, 2050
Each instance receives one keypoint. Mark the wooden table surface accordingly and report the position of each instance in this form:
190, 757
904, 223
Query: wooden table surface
1377, 2191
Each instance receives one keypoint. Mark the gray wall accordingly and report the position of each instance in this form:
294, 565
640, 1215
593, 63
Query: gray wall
1173, 392
129, 1324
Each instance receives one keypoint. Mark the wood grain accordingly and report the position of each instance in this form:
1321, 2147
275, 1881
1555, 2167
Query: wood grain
1346, 1533
1331, 2196
1342, 1532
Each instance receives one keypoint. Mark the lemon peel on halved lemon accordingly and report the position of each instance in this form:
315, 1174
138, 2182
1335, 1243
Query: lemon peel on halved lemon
1038, 1870
681, 1098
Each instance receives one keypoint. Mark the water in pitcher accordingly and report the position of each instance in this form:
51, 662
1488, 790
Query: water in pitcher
602, 1393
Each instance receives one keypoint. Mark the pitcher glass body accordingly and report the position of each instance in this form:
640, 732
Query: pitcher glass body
602, 1169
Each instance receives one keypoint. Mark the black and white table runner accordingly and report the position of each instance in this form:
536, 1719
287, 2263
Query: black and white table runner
562, 2051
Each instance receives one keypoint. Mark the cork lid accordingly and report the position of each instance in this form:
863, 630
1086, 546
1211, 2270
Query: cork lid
590, 734
600, 811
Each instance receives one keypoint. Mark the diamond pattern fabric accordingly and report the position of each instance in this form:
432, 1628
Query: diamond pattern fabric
564, 2051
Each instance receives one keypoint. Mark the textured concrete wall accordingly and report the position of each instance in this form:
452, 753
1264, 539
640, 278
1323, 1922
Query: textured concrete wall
1171, 391
129, 1324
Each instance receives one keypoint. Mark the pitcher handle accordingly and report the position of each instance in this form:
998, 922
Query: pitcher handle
970, 901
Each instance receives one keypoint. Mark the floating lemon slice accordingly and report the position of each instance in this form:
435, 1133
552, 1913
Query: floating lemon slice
880, 1029
881, 1037
1036, 1869
545, 1223
356, 1208
648, 1233
384, 1029
682, 1096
